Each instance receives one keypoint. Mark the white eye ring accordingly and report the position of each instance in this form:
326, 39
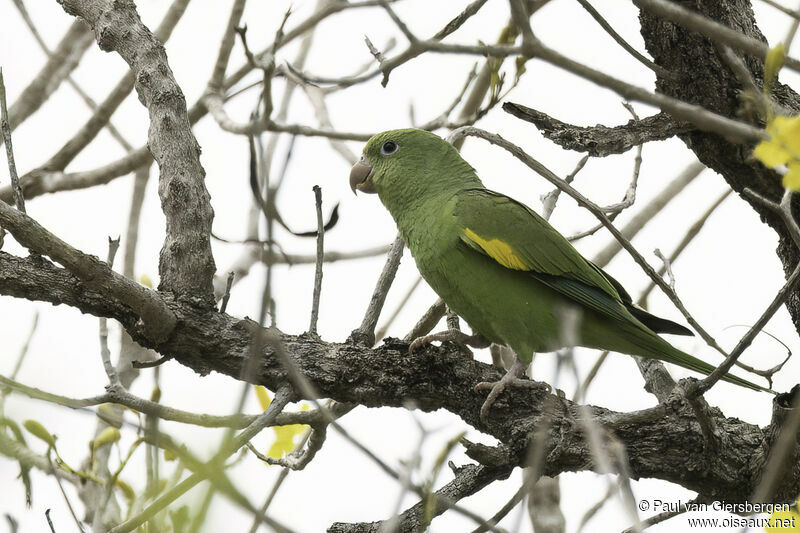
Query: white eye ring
389, 147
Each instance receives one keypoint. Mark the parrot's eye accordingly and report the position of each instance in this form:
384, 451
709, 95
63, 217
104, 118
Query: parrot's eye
389, 147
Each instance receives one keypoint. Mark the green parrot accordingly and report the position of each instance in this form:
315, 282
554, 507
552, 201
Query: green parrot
499, 265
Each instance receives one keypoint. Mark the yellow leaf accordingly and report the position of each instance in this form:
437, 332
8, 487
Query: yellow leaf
784, 521
285, 439
37, 430
772, 65
263, 397
791, 180
784, 144
145, 280
169, 455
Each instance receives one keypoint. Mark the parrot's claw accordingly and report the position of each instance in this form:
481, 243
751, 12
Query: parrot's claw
451, 335
513, 378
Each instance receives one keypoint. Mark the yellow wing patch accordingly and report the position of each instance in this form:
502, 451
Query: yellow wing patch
498, 250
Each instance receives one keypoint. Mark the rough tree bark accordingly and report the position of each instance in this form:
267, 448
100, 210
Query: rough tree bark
701, 75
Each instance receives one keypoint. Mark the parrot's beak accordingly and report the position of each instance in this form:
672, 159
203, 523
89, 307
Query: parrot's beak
361, 176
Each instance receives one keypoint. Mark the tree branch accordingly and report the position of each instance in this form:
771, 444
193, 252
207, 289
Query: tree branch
663, 442
186, 265
600, 141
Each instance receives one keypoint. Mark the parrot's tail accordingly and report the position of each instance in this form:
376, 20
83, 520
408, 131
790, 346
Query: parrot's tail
685, 360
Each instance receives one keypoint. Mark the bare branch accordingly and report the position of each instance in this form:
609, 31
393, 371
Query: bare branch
661, 71
158, 320
61, 62
186, 267
600, 141
312, 328
655, 206
365, 334
102, 114
19, 199
208, 340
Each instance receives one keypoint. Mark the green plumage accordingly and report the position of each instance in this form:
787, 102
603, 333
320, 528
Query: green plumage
501, 266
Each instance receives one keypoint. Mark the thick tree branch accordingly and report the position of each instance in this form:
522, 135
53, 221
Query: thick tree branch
157, 319
186, 265
663, 442
600, 141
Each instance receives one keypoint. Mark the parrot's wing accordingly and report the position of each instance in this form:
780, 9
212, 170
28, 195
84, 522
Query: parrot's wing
519, 239
516, 237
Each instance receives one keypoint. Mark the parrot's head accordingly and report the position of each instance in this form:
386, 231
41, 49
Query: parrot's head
408, 163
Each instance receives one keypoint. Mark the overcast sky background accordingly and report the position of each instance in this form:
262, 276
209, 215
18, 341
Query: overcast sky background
726, 278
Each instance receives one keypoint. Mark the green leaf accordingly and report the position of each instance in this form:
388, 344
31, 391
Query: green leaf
772, 65
24, 471
110, 435
37, 430
126, 490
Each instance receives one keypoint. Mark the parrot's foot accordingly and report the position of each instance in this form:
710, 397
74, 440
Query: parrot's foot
513, 378
451, 335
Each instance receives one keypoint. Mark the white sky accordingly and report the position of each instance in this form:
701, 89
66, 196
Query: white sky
726, 278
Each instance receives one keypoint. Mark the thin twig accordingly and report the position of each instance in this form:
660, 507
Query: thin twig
785, 10
659, 70
366, 332
503, 511
667, 268
628, 200
700, 387
265, 419
227, 296
19, 199
105, 353
312, 328
690, 235
549, 199
57, 475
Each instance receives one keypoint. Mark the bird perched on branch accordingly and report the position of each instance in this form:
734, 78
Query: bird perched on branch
502, 267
